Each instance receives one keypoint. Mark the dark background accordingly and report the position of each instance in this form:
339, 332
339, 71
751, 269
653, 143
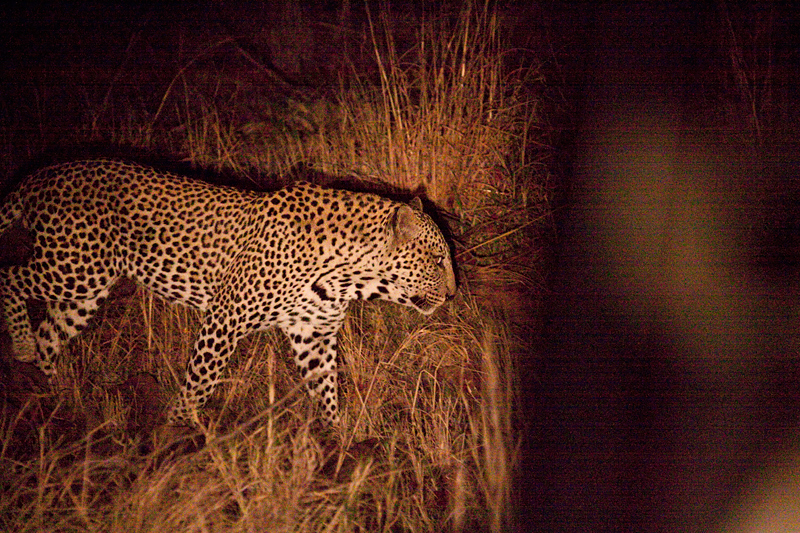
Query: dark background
666, 381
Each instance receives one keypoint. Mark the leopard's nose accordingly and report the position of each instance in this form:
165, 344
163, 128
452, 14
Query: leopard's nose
451, 282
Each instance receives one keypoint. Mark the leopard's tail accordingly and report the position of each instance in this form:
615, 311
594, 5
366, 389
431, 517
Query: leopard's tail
10, 210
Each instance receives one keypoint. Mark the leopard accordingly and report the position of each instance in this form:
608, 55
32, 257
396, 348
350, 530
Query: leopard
291, 258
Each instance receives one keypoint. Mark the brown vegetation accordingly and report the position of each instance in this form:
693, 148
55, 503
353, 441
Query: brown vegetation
433, 104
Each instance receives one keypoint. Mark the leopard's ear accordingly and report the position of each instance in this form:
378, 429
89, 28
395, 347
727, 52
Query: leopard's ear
404, 226
416, 204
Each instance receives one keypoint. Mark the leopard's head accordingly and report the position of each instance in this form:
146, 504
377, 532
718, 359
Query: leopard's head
418, 262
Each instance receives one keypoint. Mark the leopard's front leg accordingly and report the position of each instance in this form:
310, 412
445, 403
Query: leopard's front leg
315, 355
215, 343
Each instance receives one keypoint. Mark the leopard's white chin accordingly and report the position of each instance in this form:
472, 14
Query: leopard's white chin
424, 305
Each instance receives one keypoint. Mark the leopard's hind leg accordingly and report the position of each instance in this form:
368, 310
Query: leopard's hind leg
15, 309
67, 313
64, 321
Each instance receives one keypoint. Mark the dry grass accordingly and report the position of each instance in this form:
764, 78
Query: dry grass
750, 78
446, 119
427, 440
